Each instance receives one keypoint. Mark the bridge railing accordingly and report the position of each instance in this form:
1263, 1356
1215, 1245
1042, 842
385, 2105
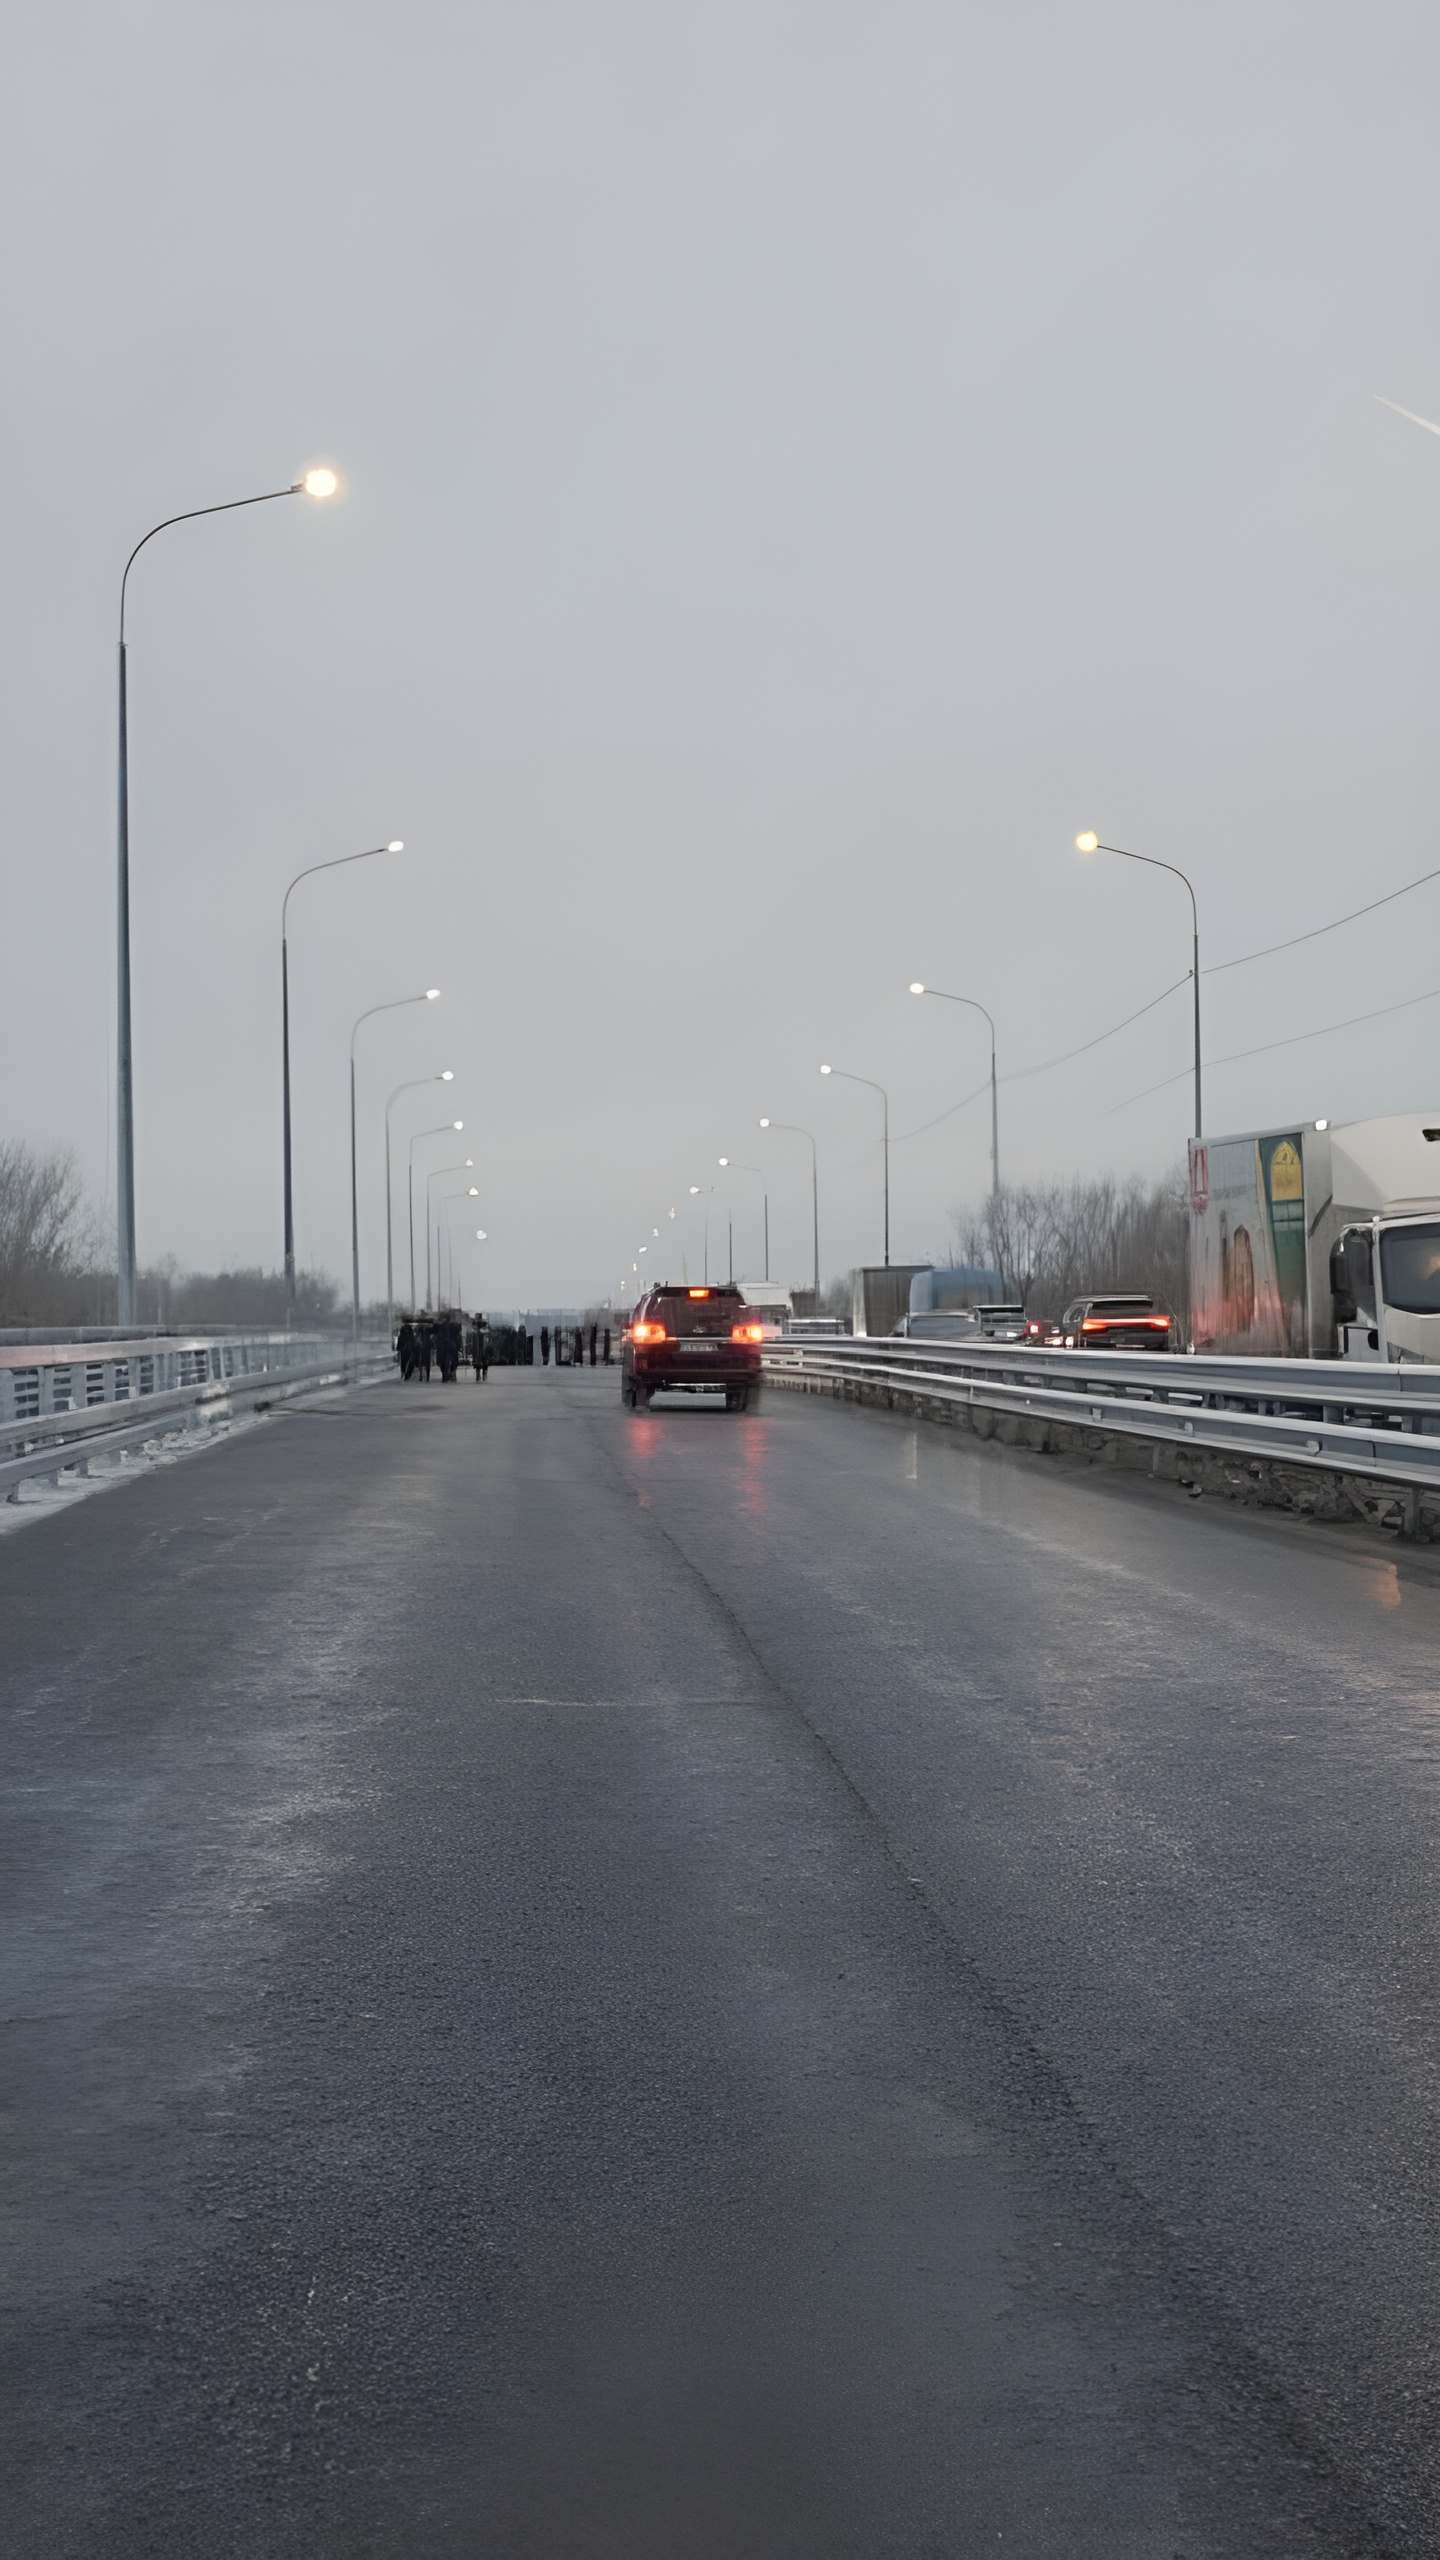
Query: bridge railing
1360, 1418
64, 1403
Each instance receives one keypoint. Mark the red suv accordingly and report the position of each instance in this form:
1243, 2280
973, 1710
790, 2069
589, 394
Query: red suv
692, 1339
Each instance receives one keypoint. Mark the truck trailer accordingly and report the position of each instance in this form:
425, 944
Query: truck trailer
1318, 1242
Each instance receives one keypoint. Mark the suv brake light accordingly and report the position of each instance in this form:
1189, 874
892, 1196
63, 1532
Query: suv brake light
1134, 1324
647, 1333
747, 1333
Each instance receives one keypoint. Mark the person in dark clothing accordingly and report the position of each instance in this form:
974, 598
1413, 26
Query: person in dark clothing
480, 1349
594, 1339
545, 1346
425, 1347
405, 1348
579, 1347
447, 1348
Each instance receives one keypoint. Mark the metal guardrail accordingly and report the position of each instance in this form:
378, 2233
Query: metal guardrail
62, 1404
1348, 1416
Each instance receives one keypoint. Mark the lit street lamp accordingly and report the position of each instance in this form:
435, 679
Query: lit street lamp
917, 989
794, 1131
444, 1237
445, 1076
395, 1005
479, 1238
396, 846
1089, 842
441, 1130
885, 1136
319, 483
759, 1171
437, 1173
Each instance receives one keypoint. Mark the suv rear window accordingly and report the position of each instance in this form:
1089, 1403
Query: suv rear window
692, 1311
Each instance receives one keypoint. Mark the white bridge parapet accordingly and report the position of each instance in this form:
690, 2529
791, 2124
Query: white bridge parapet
63, 1403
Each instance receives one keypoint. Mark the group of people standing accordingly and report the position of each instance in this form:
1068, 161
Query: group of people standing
569, 1345
442, 1342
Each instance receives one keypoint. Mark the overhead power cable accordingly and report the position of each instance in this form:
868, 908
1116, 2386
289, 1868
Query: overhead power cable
1217, 967
900, 1138
1017, 1074
1294, 1040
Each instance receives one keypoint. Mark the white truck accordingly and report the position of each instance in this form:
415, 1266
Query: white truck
1320, 1242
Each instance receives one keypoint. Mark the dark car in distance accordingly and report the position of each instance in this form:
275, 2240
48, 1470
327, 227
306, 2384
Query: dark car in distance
1115, 1324
694, 1340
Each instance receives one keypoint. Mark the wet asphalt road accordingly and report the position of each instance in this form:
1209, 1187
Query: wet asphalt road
687, 1985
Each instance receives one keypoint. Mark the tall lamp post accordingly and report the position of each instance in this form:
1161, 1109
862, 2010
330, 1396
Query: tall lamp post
794, 1131
437, 1173
442, 1130
396, 846
480, 1238
759, 1171
885, 1136
1089, 842
445, 1076
446, 1205
395, 1005
918, 989
312, 484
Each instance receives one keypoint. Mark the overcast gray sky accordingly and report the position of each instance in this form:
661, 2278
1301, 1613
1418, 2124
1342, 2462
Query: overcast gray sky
802, 463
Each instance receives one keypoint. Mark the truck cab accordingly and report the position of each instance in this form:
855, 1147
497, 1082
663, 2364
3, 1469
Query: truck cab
1400, 1321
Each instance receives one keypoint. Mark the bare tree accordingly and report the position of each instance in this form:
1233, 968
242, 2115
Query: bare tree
47, 1237
1060, 1240
55, 1268
245, 1297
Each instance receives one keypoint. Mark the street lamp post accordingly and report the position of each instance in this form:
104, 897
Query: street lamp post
445, 1076
312, 484
437, 1173
1089, 842
917, 989
794, 1131
395, 1005
885, 1136
480, 1234
445, 1230
396, 846
759, 1171
446, 1205
442, 1129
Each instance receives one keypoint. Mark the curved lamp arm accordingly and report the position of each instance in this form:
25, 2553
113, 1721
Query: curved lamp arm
427, 996
1091, 844
945, 996
397, 846
296, 489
